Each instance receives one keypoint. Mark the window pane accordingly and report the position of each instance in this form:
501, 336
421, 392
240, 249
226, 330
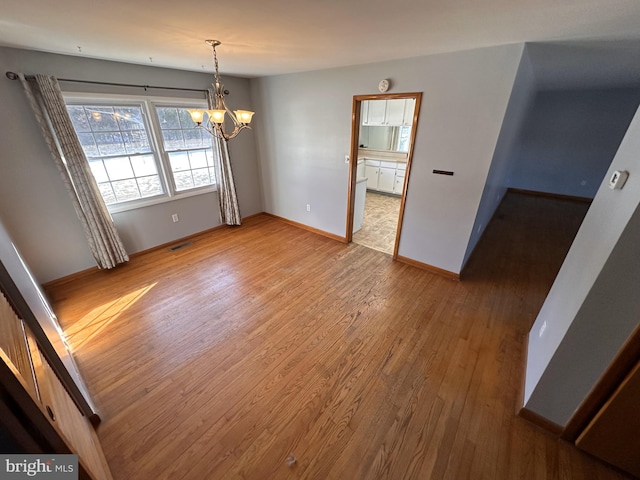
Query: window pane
101, 119
126, 190
110, 143
198, 159
193, 138
78, 118
185, 118
179, 161
120, 133
183, 180
118, 168
98, 170
107, 193
129, 118
201, 177
172, 139
136, 141
168, 118
209, 157
212, 175
150, 186
88, 144
144, 165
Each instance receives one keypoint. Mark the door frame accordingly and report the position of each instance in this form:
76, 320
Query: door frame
353, 158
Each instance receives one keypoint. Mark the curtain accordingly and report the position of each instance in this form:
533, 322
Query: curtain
45, 98
227, 196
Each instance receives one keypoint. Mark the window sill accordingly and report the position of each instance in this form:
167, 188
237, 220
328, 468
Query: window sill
147, 202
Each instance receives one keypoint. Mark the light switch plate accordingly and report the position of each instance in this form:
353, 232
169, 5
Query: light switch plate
618, 178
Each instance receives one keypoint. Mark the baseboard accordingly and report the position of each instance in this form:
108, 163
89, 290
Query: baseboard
70, 278
308, 228
90, 271
430, 268
557, 196
540, 421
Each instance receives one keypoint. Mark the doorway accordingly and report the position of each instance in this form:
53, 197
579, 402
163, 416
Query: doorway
383, 130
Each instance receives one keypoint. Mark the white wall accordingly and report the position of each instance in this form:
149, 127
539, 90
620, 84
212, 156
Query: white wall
593, 304
520, 103
305, 134
33, 202
569, 139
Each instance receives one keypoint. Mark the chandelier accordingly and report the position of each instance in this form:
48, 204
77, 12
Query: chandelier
215, 118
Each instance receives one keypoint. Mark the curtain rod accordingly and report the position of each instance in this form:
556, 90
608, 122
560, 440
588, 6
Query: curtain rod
14, 76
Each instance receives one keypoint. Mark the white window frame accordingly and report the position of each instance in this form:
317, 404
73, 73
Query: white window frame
148, 104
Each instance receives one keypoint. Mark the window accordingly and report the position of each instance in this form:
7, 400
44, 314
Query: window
131, 165
404, 135
188, 149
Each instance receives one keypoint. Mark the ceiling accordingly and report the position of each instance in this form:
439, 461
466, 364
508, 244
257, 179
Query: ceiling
282, 36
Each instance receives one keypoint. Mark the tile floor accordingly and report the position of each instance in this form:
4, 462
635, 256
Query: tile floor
380, 222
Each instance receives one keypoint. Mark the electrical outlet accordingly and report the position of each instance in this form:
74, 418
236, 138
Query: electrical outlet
174, 217
308, 207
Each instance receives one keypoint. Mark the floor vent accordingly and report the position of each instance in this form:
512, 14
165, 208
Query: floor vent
179, 246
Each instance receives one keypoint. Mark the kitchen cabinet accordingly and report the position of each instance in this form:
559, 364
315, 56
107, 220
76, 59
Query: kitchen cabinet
372, 173
385, 176
393, 112
409, 107
399, 178
376, 113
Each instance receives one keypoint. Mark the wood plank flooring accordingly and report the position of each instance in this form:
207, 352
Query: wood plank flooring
222, 359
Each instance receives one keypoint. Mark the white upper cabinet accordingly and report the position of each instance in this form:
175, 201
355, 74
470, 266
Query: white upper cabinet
409, 107
393, 112
376, 113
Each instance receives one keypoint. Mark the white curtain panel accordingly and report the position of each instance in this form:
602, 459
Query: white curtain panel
45, 98
227, 196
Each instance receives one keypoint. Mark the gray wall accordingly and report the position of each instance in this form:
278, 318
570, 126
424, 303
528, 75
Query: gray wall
305, 134
35, 206
569, 139
593, 304
496, 185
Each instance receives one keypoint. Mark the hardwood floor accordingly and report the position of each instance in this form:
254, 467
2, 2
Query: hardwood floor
222, 359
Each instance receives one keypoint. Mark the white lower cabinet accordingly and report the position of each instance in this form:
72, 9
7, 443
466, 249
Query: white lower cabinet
386, 179
385, 176
372, 173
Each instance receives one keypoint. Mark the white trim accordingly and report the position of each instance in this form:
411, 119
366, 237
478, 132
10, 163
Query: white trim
164, 198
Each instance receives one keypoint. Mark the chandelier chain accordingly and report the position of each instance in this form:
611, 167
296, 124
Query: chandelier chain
215, 63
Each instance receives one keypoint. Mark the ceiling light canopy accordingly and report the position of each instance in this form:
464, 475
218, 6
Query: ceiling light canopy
215, 118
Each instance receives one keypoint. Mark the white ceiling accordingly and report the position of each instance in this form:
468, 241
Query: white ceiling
282, 36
